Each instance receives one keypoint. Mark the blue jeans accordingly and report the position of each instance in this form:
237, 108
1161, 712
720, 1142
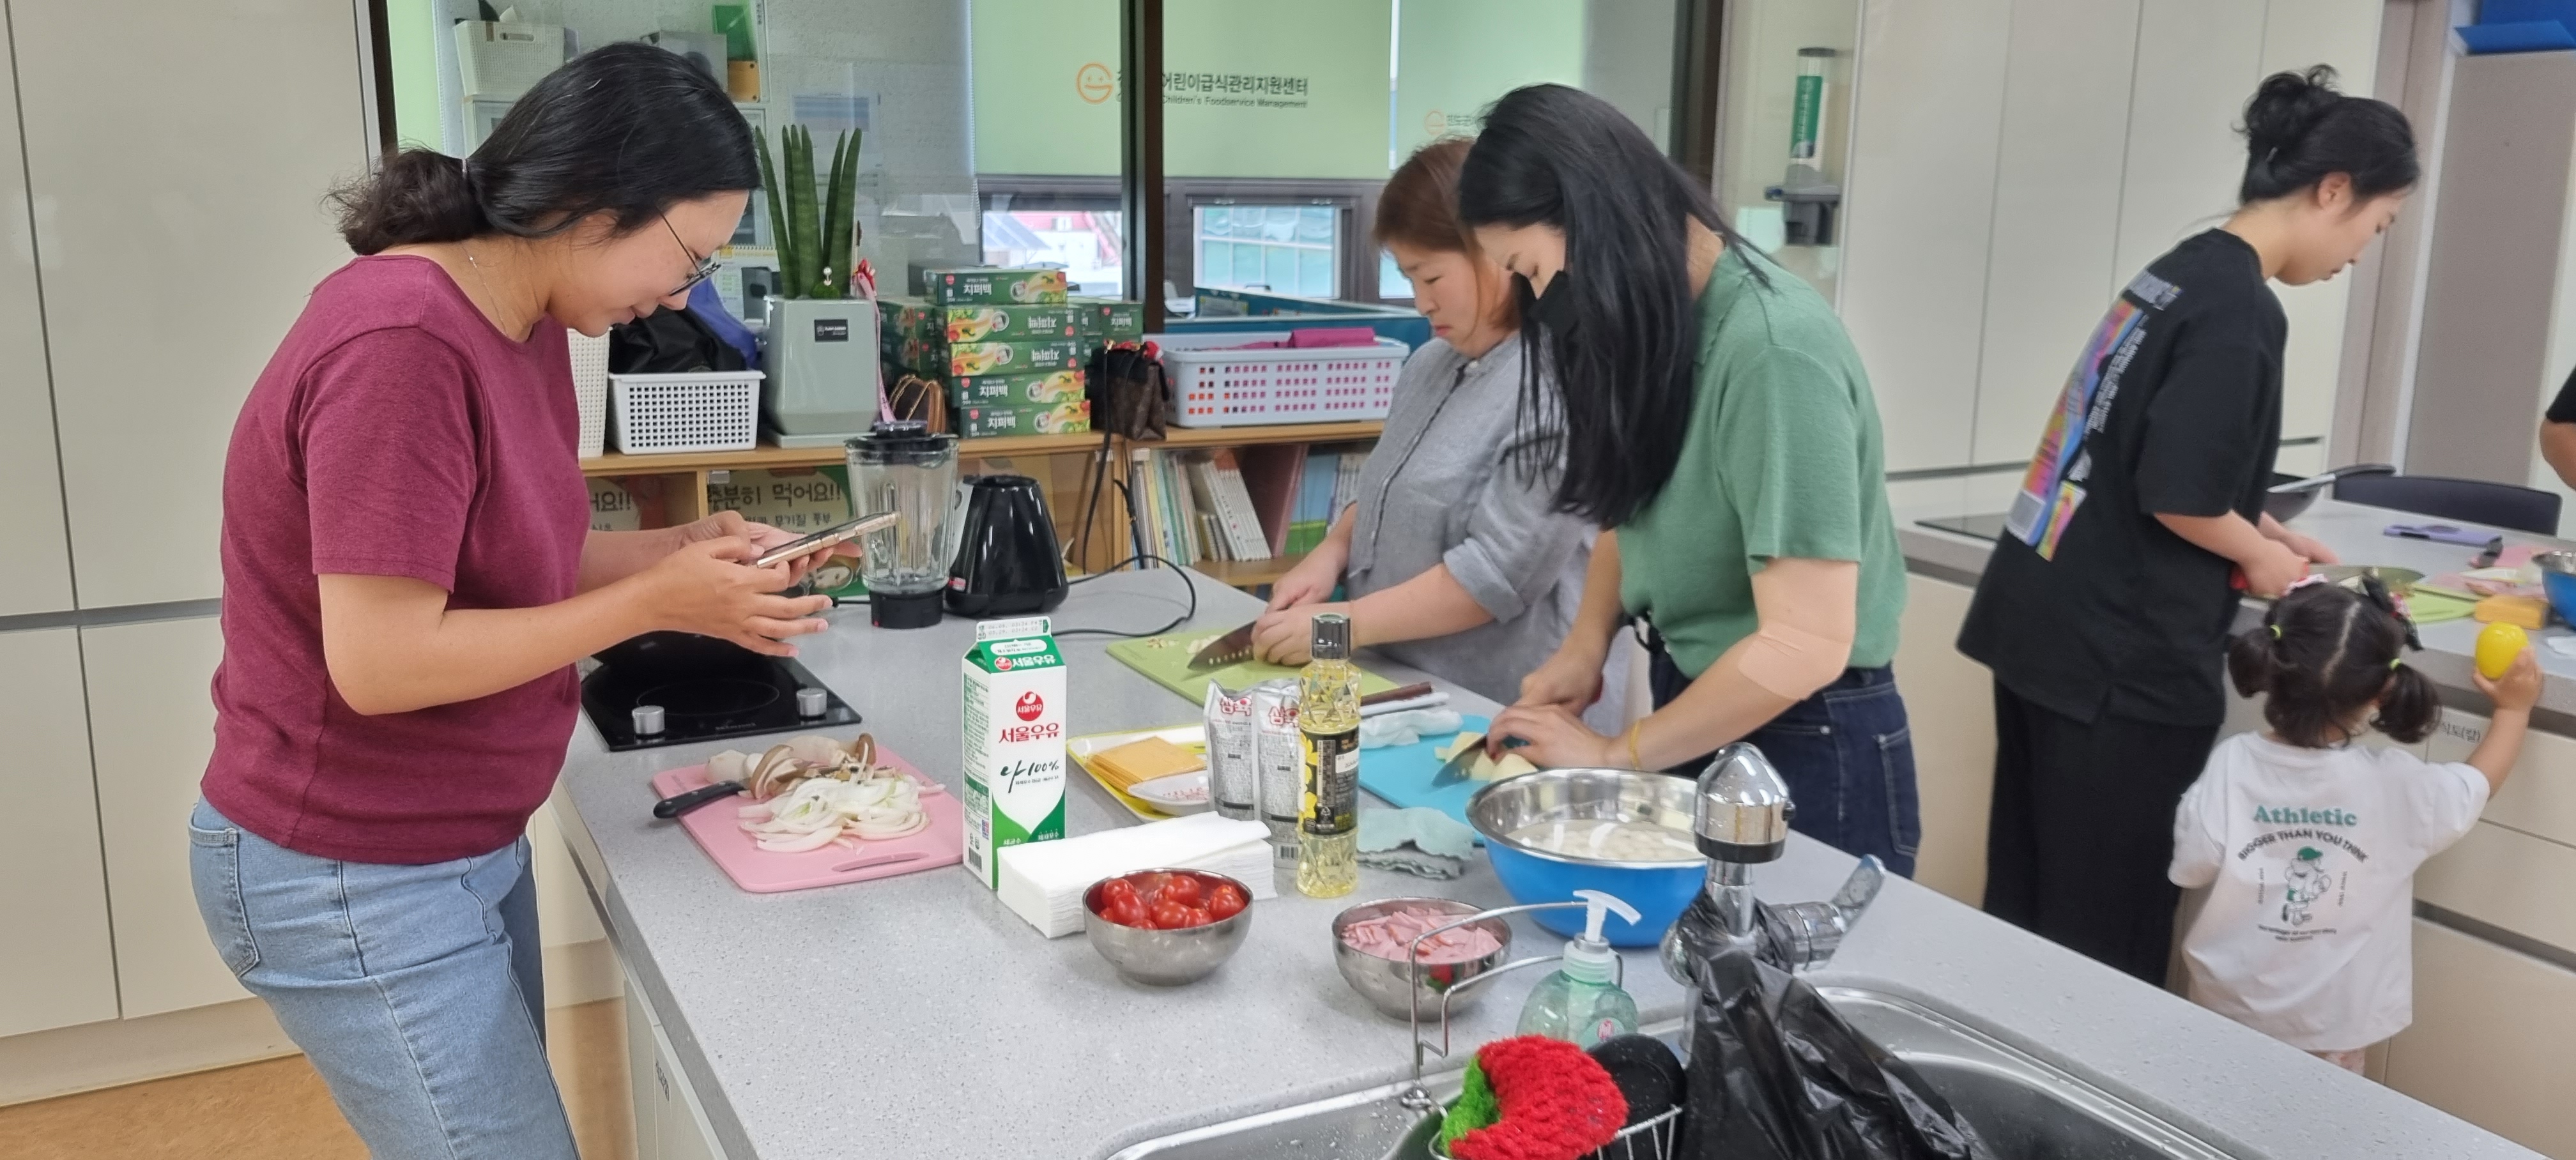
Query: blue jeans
1847, 755
414, 990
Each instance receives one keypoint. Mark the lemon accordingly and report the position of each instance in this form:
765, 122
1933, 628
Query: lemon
2498, 644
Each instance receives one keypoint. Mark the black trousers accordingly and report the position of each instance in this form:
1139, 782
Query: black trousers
2082, 830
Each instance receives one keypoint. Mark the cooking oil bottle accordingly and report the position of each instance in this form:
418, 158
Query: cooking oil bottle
1328, 715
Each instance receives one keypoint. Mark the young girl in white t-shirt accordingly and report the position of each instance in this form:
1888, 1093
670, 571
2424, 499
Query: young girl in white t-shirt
2309, 841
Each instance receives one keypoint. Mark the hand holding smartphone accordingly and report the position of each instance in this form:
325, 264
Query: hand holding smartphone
828, 537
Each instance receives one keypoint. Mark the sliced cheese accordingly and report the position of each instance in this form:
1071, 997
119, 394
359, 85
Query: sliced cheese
1138, 762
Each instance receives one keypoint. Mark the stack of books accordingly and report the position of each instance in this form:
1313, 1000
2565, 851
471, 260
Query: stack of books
1241, 505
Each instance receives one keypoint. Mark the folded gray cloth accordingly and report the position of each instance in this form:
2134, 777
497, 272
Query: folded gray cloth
1419, 841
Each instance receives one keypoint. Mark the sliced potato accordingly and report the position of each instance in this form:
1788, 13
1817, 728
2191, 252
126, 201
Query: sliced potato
1465, 738
1512, 765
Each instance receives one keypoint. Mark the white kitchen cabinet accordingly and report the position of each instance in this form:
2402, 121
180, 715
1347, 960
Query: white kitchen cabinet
36, 571
2056, 212
57, 966
151, 731
2539, 798
2490, 1039
1949, 705
669, 1122
2197, 62
178, 154
1926, 125
2508, 879
2297, 34
564, 913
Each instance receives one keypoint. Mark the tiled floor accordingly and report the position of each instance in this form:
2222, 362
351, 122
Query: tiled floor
280, 1108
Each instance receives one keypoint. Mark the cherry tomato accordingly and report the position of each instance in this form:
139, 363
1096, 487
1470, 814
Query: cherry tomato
1185, 889
1149, 887
1125, 912
1169, 915
1198, 916
1225, 901
1116, 889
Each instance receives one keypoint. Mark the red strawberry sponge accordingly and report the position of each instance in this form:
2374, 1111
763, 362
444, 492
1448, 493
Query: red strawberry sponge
1557, 1102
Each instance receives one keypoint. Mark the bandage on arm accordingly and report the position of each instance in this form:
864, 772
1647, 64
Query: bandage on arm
1807, 610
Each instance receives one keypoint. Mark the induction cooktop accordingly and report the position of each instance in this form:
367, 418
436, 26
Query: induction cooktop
776, 695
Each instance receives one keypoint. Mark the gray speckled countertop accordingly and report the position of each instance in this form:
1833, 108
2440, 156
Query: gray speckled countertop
2357, 534
914, 1016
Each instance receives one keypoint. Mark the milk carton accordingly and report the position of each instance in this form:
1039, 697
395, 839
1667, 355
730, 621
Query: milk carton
1014, 748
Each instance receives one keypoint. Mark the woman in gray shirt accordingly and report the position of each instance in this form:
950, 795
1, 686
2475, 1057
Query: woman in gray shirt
1455, 560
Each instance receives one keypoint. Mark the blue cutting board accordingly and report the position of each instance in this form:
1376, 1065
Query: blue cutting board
1402, 774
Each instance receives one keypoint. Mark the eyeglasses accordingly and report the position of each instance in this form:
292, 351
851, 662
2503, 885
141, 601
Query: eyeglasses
702, 268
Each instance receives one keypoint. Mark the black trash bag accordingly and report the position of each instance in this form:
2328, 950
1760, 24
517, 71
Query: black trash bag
668, 342
1775, 1074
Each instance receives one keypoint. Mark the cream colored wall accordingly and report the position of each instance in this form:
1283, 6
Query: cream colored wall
163, 234
2015, 162
183, 150
35, 573
1949, 704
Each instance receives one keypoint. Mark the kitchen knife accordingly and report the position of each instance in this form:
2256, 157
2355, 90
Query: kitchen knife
1455, 769
681, 803
1232, 648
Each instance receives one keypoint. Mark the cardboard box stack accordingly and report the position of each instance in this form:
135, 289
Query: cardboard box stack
1009, 345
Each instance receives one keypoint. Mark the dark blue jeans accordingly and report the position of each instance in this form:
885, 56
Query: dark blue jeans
1848, 758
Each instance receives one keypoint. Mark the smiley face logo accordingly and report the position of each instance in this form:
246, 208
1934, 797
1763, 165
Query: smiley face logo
1435, 122
1094, 83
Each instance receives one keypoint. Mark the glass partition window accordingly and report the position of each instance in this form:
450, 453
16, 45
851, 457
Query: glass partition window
1282, 249
1085, 242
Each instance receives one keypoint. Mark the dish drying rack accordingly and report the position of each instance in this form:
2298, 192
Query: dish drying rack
1652, 1139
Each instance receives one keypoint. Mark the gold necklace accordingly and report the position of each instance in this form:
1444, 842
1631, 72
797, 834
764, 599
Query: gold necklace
484, 282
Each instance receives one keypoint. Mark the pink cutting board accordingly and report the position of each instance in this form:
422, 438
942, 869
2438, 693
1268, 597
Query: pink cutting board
717, 827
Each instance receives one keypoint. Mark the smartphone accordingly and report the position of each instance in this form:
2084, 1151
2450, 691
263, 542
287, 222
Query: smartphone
836, 534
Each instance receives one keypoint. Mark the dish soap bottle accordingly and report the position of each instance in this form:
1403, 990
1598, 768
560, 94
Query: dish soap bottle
1328, 715
1579, 1003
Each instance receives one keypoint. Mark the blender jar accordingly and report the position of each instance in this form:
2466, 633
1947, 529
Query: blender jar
901, 467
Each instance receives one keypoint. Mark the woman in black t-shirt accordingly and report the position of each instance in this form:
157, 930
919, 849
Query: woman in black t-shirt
2105, 609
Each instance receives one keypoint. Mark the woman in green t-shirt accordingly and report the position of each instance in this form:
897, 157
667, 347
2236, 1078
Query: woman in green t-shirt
1716, 420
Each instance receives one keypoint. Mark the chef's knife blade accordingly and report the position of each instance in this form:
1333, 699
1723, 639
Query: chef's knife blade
1232, 648
1455, 769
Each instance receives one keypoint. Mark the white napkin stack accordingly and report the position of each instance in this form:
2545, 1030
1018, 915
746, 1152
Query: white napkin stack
1043, 881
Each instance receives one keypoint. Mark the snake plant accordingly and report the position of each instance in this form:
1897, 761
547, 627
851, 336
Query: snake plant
814, 242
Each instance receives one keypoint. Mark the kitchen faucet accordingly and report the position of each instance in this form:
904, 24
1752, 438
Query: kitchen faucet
1740, 818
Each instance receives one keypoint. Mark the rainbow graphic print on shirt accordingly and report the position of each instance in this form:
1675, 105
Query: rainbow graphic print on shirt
2053, 488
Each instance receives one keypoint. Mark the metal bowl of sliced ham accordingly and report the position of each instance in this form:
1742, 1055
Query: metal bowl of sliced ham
1370, 941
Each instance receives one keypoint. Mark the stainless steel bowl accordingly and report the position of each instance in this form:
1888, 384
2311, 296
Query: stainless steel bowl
1388, 983
1166, 958
2563, 563
1555, 795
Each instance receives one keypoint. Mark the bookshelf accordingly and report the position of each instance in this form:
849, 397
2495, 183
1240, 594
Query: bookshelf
1061, 463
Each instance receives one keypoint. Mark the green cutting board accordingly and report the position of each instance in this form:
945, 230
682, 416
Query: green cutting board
1166, 659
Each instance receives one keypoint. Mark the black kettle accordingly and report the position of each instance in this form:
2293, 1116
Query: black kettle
1008, 562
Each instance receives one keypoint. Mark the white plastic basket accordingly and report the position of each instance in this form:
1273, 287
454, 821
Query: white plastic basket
590, 389
702, 411
1235, 388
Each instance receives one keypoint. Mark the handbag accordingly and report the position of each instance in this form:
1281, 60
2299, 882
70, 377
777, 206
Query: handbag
1129, 395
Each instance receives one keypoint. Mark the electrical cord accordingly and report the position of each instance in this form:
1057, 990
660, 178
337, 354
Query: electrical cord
1190, 585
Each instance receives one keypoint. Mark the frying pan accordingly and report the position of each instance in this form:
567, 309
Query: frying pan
2291, 495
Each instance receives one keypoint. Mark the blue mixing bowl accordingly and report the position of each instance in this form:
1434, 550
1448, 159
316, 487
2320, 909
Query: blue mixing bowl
2558, 579
1659, 890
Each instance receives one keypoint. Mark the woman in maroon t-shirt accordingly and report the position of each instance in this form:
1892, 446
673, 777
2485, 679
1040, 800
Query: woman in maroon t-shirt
409, 575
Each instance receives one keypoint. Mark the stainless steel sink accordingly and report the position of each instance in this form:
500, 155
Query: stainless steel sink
2026, 1109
